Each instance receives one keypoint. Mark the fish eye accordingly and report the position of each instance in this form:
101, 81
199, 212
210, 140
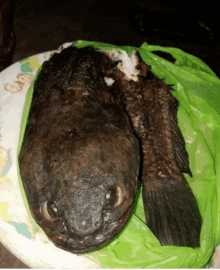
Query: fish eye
49, 211
52, 209
114, 197
110, 194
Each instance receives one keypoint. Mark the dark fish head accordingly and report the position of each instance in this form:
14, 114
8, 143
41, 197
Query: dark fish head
83, 199
79, 160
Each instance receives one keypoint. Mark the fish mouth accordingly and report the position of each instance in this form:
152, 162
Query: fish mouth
91, 242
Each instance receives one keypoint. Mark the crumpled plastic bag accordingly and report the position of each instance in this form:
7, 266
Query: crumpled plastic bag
198, 90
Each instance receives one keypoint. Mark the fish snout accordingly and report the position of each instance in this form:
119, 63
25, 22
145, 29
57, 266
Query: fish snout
91, 216
90, 220
83, 226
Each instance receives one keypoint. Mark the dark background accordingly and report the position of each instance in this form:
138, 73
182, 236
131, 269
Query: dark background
44, 25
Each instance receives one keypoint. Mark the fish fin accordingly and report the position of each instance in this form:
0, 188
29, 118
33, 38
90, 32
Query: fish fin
173, 215
178, 142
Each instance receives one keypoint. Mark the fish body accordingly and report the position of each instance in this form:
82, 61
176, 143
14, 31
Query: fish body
80, 158
97, 122
171, 210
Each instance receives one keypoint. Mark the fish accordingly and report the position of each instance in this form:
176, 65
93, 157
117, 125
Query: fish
99, 122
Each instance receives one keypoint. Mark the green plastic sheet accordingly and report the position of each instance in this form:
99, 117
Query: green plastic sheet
198, 90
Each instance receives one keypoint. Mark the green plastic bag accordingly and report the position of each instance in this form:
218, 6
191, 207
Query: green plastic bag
198, 90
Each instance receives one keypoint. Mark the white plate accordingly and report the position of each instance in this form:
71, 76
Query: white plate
16, 230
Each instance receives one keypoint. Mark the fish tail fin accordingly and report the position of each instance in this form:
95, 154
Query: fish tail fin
173, 215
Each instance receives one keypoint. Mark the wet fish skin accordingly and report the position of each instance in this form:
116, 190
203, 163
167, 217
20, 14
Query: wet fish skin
80, 158
171, 210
